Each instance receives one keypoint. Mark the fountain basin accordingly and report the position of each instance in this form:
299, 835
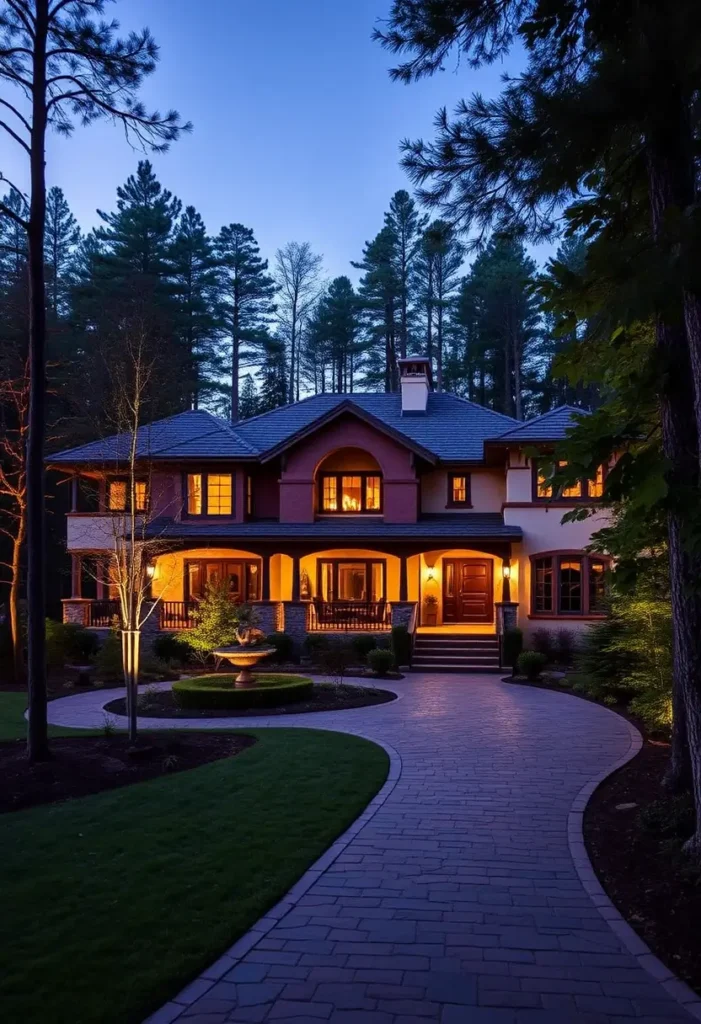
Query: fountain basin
244, 658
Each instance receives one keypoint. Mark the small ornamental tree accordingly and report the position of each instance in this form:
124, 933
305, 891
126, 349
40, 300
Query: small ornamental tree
217, 621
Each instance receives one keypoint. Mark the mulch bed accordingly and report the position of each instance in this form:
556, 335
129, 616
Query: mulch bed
90, 764
326, 697
640, 864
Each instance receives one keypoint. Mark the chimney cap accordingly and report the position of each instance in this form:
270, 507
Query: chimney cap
416, 366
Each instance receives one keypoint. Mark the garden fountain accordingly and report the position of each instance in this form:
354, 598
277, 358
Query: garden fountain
244, 655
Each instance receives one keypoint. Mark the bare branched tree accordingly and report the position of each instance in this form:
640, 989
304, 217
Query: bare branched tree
61, 62
14, 407
297, 271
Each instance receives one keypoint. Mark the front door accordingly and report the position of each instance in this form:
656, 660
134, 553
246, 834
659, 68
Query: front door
467, 590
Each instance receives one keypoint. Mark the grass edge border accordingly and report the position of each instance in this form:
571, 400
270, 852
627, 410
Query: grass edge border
199, 986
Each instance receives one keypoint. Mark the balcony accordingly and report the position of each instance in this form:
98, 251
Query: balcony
347, 616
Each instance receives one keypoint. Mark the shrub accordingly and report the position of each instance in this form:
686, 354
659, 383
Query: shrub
542, 642
315, 643
381, 661
108, 663
219, 692
172, 647
362, 644
531, 664
564, 647
401, 645
336, 659
284, 645
67, 642
218, 618
601, 666
513, 646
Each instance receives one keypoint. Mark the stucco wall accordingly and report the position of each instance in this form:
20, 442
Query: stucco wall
168, 581
488, 491
297, 480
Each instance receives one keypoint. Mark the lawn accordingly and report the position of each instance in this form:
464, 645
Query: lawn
13, 725
111, 903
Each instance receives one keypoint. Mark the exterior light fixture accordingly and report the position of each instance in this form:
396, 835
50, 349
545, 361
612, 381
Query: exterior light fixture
506, 570
151, 571
430, 575
506, 574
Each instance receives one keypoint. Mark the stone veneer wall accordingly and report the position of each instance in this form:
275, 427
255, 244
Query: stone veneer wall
401, 612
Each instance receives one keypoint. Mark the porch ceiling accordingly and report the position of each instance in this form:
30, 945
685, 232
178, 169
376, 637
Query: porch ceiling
458, 529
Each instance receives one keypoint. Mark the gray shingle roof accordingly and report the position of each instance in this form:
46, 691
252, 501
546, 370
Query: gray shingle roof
193, 434
452, 430
551, 426
465, 526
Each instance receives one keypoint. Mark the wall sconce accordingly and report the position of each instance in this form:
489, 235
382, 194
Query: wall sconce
430, 576
150, 571
506, 571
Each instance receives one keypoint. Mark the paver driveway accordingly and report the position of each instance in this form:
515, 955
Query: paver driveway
458, 900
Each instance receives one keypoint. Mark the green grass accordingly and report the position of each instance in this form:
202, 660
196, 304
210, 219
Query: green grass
111, 903
13, 725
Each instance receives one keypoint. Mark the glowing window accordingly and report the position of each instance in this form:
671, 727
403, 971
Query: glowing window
372, 494
141, 495
219, 494
117, 495
194, 494
571, 585
574, 490
330, 498
459, 492
595, 487
351, 493
543, 487
543, 586
597, 585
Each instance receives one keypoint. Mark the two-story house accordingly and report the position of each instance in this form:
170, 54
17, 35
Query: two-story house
350, 512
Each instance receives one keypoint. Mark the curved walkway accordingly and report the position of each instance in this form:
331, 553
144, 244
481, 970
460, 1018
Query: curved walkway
458, 896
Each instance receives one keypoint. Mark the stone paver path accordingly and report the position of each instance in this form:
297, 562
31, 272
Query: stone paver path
456, 898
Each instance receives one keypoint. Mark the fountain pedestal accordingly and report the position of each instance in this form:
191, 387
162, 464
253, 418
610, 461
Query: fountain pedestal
243, 658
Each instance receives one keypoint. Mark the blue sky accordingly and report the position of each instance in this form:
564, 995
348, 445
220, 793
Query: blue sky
296, 122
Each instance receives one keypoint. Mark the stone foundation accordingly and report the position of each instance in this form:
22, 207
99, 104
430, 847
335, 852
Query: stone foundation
75, 610
269, 615
295, 622
402, 612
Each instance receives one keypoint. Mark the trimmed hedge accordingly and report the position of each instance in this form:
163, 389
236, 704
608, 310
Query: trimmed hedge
381, 661
219, 691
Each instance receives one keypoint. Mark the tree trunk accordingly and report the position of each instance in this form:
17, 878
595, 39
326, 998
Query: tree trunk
518, 402
439, 347
15, 623
37, 733
235, 369
671, 188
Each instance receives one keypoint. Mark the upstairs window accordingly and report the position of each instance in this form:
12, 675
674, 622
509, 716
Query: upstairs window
350, 493
568, 584
118, 493
459, 490
209, 494
579, 490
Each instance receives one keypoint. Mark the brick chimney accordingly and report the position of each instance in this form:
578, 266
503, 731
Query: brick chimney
415, 380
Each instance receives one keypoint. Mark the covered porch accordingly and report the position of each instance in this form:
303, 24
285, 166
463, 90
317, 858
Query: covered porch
310, 588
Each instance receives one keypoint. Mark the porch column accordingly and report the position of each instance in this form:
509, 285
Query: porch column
295, 578
403, 586
265, 592
76, 576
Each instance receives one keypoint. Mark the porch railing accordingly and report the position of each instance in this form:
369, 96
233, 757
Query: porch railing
332, 616
102, 613
177, 614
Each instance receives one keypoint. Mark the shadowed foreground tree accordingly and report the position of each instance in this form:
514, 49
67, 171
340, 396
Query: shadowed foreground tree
604, 121
60, 63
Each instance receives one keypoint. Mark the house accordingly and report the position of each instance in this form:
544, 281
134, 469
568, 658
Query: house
349, 512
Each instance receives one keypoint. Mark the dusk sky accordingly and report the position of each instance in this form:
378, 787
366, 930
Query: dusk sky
296, 122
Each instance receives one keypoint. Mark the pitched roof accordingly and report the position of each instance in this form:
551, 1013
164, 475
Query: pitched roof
452, 430
195, 433
551, 426
460, 526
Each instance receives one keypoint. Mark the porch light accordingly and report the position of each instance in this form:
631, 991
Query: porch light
506, 571
151, 571
430, 575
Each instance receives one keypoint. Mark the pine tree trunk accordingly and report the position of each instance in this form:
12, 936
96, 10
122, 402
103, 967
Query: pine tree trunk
439, 347
15, 622
37, 732
235, 369
518, 406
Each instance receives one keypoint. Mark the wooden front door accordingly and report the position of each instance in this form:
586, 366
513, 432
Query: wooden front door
467, 590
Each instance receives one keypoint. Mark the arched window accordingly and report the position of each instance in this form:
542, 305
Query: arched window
349, 482
568, 583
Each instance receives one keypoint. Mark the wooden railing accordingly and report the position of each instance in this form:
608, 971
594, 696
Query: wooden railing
102, 613
177, 614
360, 616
